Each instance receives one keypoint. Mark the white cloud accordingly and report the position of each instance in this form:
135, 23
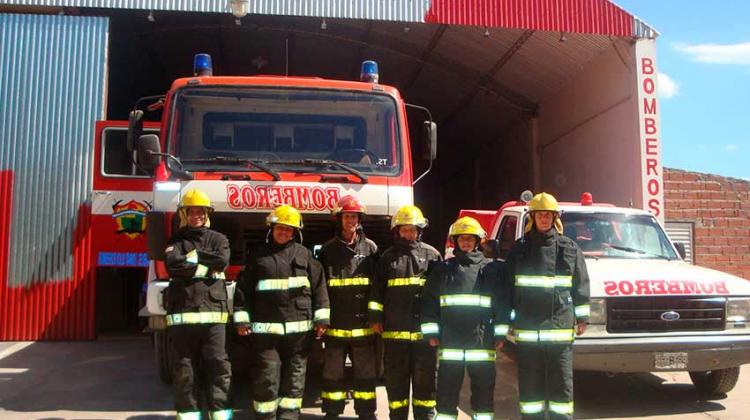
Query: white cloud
718, 53
668, 88
730, 147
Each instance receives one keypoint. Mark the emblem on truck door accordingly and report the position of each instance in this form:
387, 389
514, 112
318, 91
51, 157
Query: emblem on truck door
670, 316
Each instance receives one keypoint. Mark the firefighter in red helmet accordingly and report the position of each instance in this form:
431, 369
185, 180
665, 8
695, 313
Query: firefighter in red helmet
349, 263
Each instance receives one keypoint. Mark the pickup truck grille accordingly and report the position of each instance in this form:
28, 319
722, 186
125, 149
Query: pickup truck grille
625, 315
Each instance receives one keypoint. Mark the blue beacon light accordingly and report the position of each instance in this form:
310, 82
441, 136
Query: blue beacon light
202, 65
369, 73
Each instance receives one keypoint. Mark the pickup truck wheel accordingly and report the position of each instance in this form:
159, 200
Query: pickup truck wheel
162, 353
713, 382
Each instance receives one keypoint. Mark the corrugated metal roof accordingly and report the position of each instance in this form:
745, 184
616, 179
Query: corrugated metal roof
554, 63
51, 92
582, 16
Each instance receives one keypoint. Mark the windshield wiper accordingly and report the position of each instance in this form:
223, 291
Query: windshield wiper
638, 251
322, 163
235, 160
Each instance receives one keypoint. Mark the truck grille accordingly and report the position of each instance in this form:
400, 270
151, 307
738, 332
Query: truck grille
645, 314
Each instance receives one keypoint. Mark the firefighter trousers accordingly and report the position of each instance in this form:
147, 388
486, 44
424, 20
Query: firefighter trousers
362, 355
410, 364
204, 343
545, 381
279, 383
451, 379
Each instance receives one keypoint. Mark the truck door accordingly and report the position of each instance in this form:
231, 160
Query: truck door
122, 195
506, 234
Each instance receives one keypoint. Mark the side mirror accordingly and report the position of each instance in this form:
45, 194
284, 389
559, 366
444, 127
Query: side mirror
680, 249
149, 151
491, 248
135, 128
430, 136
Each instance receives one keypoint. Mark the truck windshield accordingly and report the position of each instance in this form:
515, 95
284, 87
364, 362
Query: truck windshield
220, 128
612, 235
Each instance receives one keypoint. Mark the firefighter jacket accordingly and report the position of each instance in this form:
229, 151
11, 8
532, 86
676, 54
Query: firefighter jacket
395, 296
546, 274
282, 291
461, 299
197, 293
349, 270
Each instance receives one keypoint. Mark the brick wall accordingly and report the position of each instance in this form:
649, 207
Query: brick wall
719, 208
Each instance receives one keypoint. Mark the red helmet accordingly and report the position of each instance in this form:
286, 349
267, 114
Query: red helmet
349, 203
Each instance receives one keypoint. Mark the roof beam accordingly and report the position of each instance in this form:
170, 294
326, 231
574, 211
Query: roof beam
428, 56
488, 78
362, 47
425, 54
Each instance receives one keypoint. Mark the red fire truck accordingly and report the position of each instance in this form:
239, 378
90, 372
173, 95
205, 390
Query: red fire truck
252, 143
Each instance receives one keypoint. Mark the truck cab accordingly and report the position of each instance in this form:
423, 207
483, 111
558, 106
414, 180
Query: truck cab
252, 143
650, 310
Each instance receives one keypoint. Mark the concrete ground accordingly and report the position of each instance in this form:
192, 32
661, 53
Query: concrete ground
114, 378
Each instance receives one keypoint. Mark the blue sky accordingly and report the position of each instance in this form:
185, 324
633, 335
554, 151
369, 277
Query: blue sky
704, 51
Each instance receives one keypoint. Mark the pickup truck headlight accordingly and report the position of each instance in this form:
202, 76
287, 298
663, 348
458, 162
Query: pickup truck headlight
598, 315
738, 310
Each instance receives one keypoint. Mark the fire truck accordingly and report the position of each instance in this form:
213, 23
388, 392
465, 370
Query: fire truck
253, 143
650, 310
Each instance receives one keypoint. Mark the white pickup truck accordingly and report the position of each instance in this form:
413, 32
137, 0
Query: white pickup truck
650, 310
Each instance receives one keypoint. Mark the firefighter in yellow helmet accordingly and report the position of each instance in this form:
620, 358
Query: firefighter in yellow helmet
197, 309
547, 277
284, 304
545, 206
410, 362
460, 301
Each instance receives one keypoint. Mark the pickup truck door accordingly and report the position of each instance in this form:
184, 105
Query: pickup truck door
507, 232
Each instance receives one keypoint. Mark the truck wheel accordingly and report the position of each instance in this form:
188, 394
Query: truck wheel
713, 382
162, 356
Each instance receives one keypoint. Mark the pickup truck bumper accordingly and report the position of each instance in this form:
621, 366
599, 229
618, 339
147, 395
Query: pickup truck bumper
637, 354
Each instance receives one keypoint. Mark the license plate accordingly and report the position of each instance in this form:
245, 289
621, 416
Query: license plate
664, 361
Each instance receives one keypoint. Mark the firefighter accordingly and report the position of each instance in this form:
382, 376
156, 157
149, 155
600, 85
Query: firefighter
197, 309
459, 305
284, 304
410, 362
349, 264
547, 276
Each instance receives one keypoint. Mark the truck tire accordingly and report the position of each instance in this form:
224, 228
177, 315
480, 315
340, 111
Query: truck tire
714, 382
162, 356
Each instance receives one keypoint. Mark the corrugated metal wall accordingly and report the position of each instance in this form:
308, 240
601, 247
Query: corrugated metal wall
585, 16
51, 93
394, 10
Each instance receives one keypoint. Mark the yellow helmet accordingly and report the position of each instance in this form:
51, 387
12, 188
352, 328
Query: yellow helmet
543, 202
285, 215
196, 198
467, 226
409, 215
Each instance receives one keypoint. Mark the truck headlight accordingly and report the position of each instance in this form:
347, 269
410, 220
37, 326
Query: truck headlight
598, 315
738, 310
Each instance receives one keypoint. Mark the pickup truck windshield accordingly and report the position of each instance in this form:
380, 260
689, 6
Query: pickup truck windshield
613, 235
221, 128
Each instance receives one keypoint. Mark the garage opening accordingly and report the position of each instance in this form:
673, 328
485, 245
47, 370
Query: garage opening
119, 296
494, 93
